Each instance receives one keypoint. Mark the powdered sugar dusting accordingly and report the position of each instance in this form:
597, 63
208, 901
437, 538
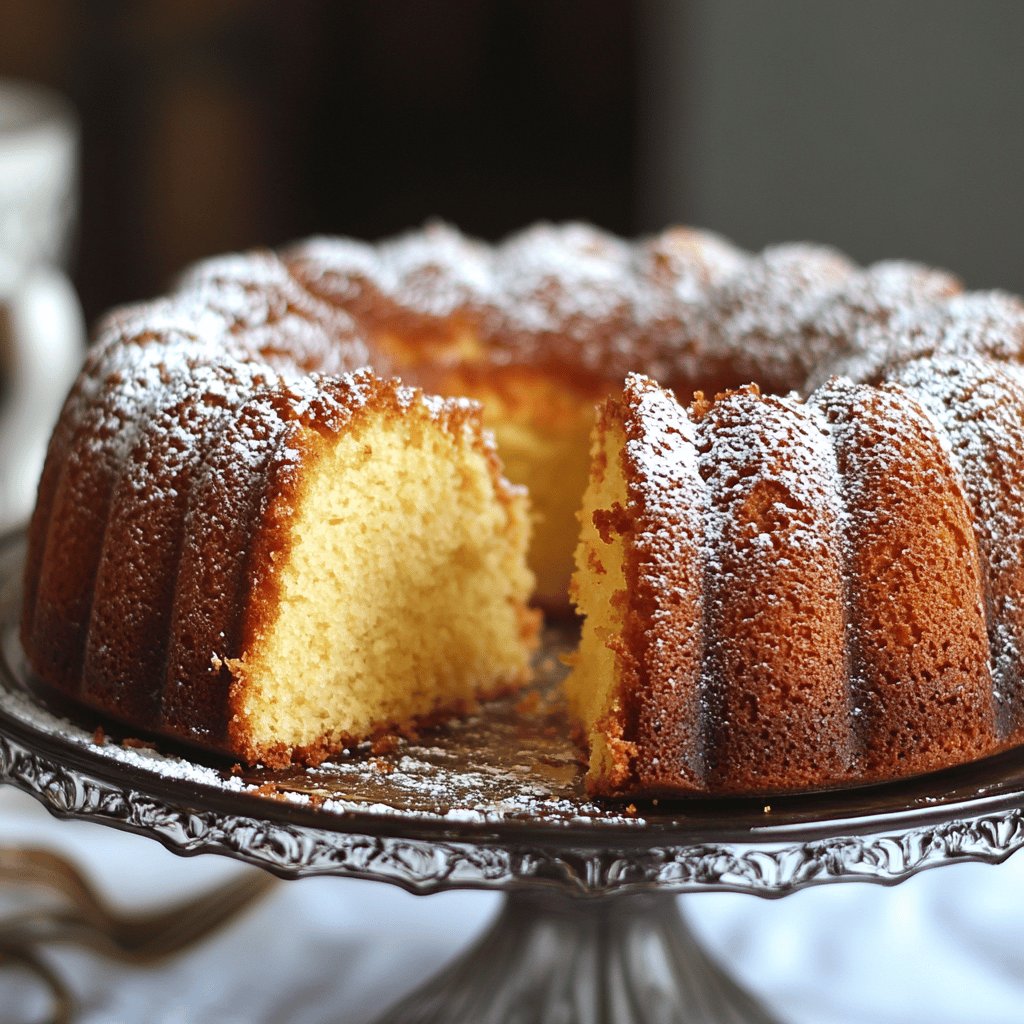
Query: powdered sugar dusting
742, 439
989, 324
774, 669
438, 271
662, 451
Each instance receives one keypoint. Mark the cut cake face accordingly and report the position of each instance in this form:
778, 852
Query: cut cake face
395, 590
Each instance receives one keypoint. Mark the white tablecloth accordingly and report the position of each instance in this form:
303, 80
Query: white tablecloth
946, 947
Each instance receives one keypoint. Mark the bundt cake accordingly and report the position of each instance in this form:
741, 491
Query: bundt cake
809, 582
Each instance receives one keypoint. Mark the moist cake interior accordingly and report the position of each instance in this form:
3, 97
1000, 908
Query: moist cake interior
395, 599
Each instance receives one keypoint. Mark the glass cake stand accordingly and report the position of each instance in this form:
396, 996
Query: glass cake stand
589, 931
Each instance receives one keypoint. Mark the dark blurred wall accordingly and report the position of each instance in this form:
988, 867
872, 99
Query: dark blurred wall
886, 128
210, 126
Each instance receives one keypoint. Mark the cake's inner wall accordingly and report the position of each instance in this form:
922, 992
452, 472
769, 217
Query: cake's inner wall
599, 590
542, 426
400, 594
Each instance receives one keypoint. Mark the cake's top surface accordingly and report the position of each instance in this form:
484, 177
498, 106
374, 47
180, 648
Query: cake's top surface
685, 307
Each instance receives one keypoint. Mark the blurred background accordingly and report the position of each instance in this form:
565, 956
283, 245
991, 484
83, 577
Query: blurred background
199, 126
208, 125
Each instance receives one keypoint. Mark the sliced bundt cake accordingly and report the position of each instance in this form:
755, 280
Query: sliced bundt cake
387, 580
783, 595
275, 569
243, 540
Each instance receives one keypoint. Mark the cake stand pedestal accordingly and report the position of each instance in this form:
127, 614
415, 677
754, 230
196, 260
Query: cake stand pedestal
590, 931
550, 958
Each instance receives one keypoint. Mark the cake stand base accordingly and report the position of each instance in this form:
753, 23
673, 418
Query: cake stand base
555, 959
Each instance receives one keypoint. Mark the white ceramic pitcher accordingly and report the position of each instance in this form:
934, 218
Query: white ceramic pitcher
42, 334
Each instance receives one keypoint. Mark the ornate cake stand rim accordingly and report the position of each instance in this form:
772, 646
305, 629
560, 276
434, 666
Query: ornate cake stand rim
428, 865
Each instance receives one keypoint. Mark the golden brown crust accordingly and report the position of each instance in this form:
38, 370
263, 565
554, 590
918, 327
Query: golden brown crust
919, 652
980, 407
775, 674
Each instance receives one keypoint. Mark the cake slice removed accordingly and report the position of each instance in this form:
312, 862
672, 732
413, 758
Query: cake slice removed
389, 582
542, 426
635, 684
